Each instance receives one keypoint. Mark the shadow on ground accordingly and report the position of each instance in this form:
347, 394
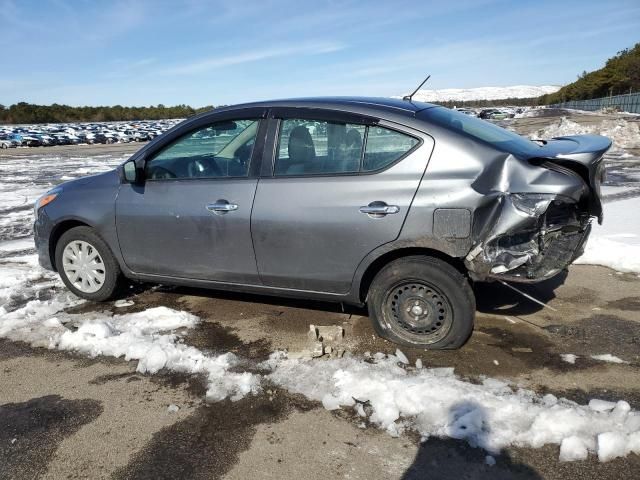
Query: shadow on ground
496, 298
491, 297
31, 431
458, 459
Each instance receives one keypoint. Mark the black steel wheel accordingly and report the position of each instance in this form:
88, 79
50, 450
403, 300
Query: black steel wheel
419, 310
422, 302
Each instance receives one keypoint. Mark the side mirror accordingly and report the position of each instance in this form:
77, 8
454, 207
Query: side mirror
133, 173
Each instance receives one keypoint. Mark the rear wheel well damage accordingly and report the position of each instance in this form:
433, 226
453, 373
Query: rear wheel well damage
528, 237
57, 232
380, 262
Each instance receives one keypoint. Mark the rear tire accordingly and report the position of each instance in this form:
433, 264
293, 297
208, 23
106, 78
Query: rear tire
87, 266
422, 302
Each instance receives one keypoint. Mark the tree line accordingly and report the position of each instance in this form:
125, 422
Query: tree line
620, 75
28, 113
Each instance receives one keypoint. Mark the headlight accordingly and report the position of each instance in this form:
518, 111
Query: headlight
532, 204
47, 198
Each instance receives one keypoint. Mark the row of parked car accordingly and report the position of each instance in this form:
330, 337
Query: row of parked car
492, 113
77, 133
142, 131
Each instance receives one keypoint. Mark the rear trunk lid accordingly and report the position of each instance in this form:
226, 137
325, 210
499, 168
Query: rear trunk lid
584, 155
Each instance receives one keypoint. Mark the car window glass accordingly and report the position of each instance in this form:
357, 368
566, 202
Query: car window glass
478, 129
384, 147
222, 149
316, 147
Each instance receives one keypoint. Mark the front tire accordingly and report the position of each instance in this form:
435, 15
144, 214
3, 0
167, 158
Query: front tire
86, 265
422, 302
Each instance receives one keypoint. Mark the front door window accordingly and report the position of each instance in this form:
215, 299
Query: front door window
222, 149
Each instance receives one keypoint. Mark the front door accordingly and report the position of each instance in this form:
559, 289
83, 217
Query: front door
339, 189
191, 218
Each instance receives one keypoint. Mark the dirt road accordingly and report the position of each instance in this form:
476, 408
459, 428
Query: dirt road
66, 416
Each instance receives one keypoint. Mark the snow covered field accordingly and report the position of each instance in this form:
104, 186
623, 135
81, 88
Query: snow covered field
484, 93
382, 389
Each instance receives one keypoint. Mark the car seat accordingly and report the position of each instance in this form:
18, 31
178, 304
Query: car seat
302, 152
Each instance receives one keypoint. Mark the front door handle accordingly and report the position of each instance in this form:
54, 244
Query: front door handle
221, 207
379, 209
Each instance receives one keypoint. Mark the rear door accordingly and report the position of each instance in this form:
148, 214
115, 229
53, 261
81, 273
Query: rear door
191, 218
334, 187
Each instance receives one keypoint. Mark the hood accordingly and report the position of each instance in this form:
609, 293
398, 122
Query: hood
97, 178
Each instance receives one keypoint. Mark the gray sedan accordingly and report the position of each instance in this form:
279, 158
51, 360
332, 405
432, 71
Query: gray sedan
395, 204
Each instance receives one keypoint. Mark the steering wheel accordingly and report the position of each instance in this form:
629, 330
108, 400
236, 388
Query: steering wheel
203, 167
161, 173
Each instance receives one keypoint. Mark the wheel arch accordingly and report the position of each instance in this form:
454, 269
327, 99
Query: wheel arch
380, 262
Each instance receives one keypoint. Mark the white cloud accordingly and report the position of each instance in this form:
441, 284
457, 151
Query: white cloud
207, 64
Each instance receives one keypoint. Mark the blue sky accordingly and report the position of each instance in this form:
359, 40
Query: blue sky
143, 52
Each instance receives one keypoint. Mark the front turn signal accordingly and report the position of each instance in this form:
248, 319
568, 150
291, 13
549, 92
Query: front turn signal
47, 198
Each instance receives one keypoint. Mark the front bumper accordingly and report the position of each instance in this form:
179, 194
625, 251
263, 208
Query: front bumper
42, 230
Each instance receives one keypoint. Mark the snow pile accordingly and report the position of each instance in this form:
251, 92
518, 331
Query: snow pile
569, 357
607, 357
623, 133
616, 243
434, 402
484, 93
136, 336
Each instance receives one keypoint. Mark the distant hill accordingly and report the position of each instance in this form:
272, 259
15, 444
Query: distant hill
620, 74
483, 93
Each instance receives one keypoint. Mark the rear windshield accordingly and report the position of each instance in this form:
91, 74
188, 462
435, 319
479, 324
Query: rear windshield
478, 129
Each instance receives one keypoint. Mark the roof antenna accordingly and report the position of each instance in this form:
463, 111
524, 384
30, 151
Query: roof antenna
409, 97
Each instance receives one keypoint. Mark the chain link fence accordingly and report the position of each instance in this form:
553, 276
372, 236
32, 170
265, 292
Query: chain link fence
629, 102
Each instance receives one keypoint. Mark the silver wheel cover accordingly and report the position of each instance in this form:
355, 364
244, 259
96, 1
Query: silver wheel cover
83, 266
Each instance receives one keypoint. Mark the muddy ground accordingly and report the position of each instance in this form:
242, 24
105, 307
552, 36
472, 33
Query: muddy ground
66, 416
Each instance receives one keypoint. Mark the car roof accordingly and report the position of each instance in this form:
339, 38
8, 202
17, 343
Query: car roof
373, 106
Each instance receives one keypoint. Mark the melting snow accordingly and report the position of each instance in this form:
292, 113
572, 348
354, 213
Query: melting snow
148, 337
483, 93
624, 134
568, 357
434, 402
607, 357
616, 243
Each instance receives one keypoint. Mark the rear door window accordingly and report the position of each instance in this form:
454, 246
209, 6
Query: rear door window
478, 129
319, 147
310, 147
384, 147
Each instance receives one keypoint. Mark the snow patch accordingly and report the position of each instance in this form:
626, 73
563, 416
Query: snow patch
616, 243
568, 357
149, 337
484, 93
573, 448
434, 402
607, 357
623, 133
123, 303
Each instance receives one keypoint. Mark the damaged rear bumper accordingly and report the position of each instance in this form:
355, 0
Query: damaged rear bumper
529, 238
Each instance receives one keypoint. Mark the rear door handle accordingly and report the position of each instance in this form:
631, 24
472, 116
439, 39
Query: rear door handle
221, 207
379, 209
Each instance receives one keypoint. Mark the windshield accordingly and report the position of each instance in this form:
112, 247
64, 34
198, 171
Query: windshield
478, 129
